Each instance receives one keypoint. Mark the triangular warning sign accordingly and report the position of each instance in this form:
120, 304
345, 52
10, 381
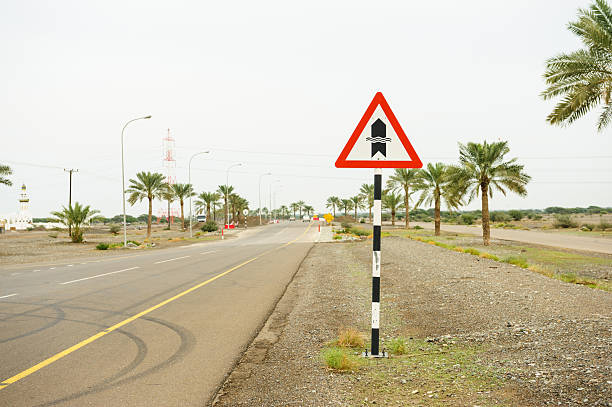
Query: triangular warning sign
378, 141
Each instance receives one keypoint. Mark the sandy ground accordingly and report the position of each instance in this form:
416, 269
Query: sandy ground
525, 339
563, 240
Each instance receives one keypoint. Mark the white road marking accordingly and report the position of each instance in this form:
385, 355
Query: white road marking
35, 271
15, 274
10, 295
165, 261
212, 251
51, 268
83, 263
100, 275
70, 265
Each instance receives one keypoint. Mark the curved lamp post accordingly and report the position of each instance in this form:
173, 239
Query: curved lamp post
123, 177
190, 207
260, 177
226, 195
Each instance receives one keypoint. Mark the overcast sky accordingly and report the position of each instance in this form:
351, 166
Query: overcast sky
280, 86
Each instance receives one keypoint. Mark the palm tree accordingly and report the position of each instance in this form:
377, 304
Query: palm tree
294, 207
284, 210
147, 185
205, 201
333, 202
482, 168
435, 187
301, 206
308, 209
405, 179
74, 217
367, 191
392, 201
347, 205
357, 202
182, 192
5, 170
583, 77
225, 192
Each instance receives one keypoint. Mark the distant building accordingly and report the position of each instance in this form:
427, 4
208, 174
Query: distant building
22, 219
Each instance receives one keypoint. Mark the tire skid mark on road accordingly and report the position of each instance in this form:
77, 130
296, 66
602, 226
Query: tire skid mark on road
59, 316
99, 275
187, 343
137, 316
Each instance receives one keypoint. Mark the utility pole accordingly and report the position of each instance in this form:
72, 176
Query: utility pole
70, 171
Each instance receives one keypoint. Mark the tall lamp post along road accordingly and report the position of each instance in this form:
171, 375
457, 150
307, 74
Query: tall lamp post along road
226, 195
270, 212
190, 207
123, 177
260, 177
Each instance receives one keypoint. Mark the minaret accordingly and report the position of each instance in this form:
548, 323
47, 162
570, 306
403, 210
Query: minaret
24, 201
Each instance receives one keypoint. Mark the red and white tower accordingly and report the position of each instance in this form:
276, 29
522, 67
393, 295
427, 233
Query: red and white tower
169, 163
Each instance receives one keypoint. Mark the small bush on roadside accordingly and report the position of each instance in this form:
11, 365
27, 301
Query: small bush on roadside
114, 229
345, 225
564, 222
337, 358
350, 338
499, 217
359, 232
471, 250
604, 225
517, 261
136, 242
398, 346
209, 226
458, 249
587, 227
489, 256
466, 219
417, 227
337, 237
53, 235
102, 246
362, 220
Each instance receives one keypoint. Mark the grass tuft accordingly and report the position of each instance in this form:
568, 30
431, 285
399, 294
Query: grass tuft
398, 346
489, 256
517, 261
337, 359
471, 250
102, 246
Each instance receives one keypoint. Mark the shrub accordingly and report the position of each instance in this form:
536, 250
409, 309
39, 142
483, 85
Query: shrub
499, 217
516, 214
136, 242
587, 227
489, 256
337, 237
417, 227
604, 225
466, 219
398, 346
362, 220
359, 232
517, 261
345, 225
209, 226
350, 338
471, 250
53, 235
114, 229
337, 358
102, 246
564, 222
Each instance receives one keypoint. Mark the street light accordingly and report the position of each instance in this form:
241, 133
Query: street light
190, 208
270, 213
226, 195
262, 175
123, 177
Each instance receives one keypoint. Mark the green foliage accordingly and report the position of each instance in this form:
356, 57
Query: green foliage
337, 237
471, 250
102, 246
417, 227
517, 261
582, 78
564, 222
74, 217
398, 346
114, 229
604, 225
345, 225
466, 219
209, 226
337, 359
516, 214
5, 170
499, 217
53, 235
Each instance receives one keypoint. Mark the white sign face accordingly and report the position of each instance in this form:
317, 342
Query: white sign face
245, 212
378, 141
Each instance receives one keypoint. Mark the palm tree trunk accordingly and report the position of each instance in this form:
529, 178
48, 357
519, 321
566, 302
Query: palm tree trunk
149, 218
437, 214
355, 213
407, 206
370, 215
182, 216
334, 209
168, 218
207, 212
486, 230
393, 217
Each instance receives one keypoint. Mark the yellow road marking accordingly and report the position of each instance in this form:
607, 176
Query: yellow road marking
89, 340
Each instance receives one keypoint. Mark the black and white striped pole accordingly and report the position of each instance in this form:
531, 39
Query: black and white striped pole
377, 222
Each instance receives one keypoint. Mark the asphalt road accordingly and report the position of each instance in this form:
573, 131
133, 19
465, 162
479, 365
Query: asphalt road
563, 240
161, 328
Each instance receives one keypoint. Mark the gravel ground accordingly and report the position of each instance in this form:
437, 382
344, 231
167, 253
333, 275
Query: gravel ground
548, 342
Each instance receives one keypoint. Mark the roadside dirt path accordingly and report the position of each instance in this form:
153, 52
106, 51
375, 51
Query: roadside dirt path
587, 243
524, 339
